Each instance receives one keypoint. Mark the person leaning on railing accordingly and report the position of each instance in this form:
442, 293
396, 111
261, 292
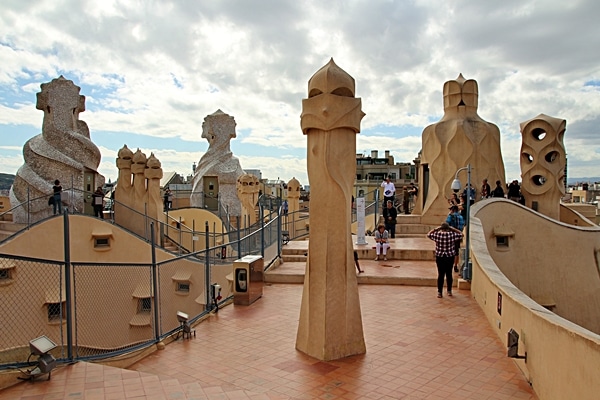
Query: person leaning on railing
57, 201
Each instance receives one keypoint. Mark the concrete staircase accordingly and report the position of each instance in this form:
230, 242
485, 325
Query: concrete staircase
410, 226
170, 246
410, 259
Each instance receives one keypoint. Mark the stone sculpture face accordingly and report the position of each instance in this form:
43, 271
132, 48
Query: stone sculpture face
139, 162
124, 159
333, 80
461, 92
331, 102
247, 183
293, 188
218, 128
62, 104
153, 168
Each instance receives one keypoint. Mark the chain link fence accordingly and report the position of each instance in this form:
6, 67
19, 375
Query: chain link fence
33, 294
99, 310
104, 294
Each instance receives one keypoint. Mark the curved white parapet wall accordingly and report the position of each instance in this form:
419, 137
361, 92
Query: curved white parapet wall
541, 278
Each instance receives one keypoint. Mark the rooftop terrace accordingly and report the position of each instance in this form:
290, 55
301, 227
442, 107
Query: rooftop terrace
418, 347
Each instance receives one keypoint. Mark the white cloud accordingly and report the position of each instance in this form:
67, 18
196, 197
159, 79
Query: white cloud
159, 68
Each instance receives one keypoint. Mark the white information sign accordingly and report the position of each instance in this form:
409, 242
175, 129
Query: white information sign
360, 221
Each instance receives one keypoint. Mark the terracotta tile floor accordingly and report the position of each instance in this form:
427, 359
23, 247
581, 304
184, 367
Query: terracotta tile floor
418, 347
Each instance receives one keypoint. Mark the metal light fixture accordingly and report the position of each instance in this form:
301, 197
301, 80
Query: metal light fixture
215, 295
456, 186
184, 324
513, 345
41, 346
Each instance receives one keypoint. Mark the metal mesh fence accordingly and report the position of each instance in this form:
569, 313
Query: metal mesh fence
96, 310
114, 307
33, 297
182, 288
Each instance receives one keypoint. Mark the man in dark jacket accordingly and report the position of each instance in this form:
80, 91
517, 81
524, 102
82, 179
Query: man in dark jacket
389, 217
98, 202
514, 191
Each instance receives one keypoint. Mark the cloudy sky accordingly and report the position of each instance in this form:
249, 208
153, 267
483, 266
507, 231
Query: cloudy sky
152, 70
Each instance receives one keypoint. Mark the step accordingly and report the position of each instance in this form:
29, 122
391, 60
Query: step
291, 251
408, 219
293, 258
369, 254
392, 272
5, 235
10, 226
7, 216
398, 254
410, 235
412, 229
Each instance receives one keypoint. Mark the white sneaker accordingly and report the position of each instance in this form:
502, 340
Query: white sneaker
377, 258
384, 258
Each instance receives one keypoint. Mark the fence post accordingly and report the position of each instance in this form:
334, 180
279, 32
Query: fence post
180, 237
29, 208
262, 232
69, 299
239, 242
279, 240
145, 221
154, 281
72, 199
207, 265
376, 215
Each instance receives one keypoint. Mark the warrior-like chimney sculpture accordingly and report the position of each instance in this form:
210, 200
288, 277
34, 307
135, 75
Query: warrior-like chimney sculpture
62, 151
330, 325
460, 138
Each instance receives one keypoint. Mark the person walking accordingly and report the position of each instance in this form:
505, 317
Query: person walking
360, 271
469, 193
98, 202
284, 207
413, 191
381, 242
498, 190
445, 238
514, 191
389, 190
454, 200
389, 216
56, 194
405, 200
486, 191
455, 220
168, 199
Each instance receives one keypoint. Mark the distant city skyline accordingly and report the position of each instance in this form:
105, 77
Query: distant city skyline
152, 72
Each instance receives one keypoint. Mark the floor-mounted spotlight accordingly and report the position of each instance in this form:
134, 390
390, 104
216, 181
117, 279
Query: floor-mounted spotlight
184, 324
215, 295
41, 347
513, 345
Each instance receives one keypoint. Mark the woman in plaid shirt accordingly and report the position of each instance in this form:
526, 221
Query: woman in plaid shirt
445, 238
